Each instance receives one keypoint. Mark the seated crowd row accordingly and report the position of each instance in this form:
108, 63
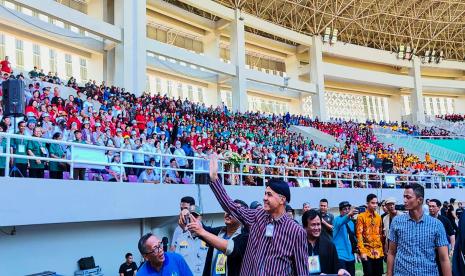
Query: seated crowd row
156, 124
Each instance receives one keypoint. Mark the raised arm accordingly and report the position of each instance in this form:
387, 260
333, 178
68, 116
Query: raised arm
246, 216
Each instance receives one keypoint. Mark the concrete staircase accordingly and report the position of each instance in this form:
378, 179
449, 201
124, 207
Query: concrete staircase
316, 135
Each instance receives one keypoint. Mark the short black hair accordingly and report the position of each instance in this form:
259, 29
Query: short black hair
188, 199
309, 215
417, 189
370, 197
141, 243
323, 200
438, 203
128, 255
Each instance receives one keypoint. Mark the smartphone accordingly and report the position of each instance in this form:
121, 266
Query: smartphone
361, 209
187, 219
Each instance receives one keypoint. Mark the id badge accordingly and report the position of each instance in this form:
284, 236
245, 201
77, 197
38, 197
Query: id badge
220, 267
314, 264
269, 230
21, 148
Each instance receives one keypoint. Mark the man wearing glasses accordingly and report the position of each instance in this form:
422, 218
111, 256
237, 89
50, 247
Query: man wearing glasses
158, 262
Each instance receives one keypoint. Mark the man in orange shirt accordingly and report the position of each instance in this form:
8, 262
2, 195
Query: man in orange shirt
369, 233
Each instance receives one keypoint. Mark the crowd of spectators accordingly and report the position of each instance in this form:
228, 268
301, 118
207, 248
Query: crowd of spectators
452, 117
110, 116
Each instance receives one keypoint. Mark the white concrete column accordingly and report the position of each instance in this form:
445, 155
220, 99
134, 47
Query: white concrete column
239, 82
317, 76
211, 45
95, 9
131, 55
418, 110
292, 67
395, 107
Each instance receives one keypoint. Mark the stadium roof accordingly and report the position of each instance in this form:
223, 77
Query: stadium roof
383, 24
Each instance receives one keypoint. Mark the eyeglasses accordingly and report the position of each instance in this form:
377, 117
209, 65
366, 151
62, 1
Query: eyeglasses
156, 249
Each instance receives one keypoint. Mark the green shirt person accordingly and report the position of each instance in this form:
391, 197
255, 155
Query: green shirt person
56, 151
36, 148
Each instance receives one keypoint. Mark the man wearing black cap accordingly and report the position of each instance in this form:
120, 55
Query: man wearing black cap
344, 236
277, 244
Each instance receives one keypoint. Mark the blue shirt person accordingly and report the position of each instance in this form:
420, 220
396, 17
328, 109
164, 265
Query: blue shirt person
159, 263
414, 239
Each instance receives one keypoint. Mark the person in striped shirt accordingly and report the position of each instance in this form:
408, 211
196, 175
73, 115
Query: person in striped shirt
277, 244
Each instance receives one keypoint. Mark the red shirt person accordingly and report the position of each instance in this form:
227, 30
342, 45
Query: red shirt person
6, 66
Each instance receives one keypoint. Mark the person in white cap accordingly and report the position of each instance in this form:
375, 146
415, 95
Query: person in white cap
391, 213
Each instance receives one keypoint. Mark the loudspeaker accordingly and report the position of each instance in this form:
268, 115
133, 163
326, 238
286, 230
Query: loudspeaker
86, 263
387, 165
358, 159
13, 97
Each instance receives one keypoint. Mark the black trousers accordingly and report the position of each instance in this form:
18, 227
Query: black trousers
56, 174
22, 167
36, 172
348, 265
79, 173
373, 267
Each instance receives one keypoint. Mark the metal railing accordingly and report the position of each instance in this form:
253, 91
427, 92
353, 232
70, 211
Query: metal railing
241, 174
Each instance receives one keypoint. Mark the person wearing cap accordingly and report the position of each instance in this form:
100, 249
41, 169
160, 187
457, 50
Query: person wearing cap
277, 244
391, 213
47, 126
344, 236
322, 254
255, 205
190, 246
227, 244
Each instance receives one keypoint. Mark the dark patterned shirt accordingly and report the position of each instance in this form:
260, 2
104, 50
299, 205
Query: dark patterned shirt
285, 253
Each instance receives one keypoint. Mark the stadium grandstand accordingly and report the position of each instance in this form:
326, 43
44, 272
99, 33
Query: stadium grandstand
111, 109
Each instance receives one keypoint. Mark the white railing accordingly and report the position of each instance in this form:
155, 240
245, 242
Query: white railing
237, 175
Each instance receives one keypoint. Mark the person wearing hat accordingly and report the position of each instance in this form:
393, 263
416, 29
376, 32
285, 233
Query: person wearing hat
189, 245
344, 236
227, 243
391, 213
255, 205
277, 244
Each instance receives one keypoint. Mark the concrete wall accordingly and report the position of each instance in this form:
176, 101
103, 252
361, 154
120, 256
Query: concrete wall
55, 201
